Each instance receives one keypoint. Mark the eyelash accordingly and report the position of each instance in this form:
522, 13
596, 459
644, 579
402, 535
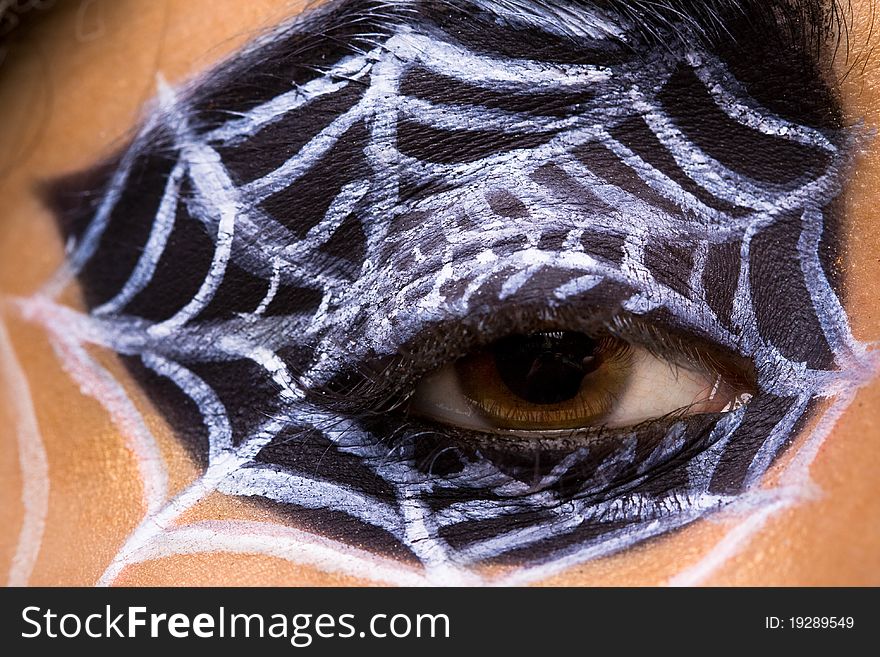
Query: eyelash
366, 386
375, 393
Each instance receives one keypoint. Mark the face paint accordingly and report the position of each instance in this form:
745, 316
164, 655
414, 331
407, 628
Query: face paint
278, 269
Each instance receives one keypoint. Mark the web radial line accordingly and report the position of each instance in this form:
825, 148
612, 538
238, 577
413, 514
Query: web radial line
384, 160
131, 336
743, 312
163, 224
441, 566
508, 541
638, 274
269, 361
695, 282
345, 202
702, 469
828, 309
203, 396
216, 190
519, 498
610, 468
669, 445
577, 286
517, 280
312, 493
764, 456
348, 437
473, 287
32, 462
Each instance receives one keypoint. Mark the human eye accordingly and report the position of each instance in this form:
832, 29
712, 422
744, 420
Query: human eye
467, 287
566, 380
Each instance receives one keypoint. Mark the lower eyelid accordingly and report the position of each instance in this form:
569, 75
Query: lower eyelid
595, 465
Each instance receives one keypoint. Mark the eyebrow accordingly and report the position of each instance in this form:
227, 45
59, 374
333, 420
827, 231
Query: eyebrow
789, 38
595, 177
655, 21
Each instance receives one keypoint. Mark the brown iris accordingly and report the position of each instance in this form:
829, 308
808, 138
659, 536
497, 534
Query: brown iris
554, 380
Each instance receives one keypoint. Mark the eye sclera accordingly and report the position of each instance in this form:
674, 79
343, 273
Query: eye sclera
629, 376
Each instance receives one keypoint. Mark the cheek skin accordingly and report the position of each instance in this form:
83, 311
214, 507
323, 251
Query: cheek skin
96, 88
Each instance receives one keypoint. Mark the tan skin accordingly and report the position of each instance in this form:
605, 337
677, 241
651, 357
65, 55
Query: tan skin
70, 92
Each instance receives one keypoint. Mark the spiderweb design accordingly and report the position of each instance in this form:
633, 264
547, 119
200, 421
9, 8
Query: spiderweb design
242, 260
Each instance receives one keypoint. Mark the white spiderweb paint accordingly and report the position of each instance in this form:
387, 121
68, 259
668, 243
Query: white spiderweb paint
32, 462
388, 308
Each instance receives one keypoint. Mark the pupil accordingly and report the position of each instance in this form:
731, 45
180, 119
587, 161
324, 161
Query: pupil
545, 368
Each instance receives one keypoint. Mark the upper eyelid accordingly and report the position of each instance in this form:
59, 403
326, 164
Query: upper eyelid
440, 343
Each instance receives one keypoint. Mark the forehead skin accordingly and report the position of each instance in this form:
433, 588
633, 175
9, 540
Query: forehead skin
69, 94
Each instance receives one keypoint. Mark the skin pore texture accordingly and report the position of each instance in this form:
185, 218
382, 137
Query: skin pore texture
74, 105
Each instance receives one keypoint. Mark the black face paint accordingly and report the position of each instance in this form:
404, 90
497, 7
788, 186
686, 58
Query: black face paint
379, 188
